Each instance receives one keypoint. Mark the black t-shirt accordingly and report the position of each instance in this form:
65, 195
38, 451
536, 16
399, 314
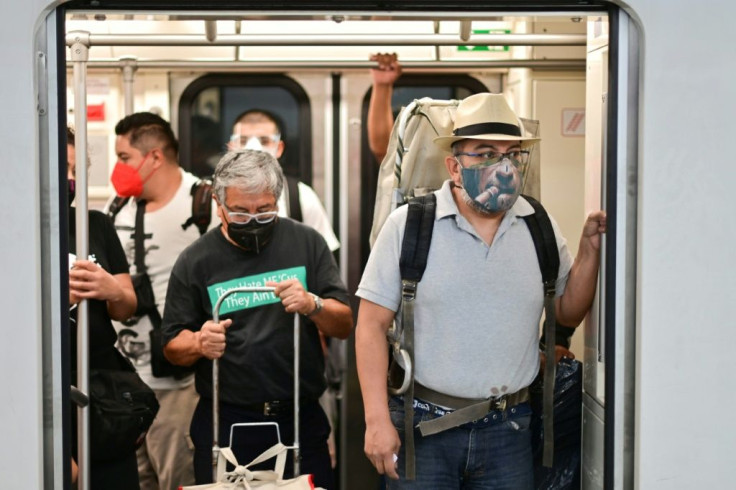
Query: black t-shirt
105, 247
258, 362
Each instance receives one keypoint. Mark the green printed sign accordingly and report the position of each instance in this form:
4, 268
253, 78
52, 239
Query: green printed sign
487, 48
242, 301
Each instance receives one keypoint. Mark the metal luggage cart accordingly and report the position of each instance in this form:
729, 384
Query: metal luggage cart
216, 387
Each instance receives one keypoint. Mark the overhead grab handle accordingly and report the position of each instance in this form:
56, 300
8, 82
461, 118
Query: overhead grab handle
465, 30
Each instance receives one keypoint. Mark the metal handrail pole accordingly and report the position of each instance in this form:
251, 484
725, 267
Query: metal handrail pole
464, 65
336, 40
130, 65
79, 55
296, 394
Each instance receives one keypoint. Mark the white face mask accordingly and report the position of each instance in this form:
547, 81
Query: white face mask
254, 143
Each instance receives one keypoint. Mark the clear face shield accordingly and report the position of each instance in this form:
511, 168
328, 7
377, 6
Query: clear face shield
493, 181
269, 144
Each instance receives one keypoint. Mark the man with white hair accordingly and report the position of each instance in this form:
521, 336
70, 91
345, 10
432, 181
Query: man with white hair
254, 338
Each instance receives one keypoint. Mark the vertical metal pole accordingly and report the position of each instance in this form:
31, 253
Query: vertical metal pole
216, 395
80, 55
238, 27
296, 394
130, 65
436, 25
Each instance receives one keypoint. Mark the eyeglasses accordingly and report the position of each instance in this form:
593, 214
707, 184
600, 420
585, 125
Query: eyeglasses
517, 157
267, 140
244, 218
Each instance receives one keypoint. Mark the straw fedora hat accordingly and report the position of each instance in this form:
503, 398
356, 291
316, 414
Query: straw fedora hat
485, 117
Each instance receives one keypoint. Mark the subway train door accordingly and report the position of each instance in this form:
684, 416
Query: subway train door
611, 161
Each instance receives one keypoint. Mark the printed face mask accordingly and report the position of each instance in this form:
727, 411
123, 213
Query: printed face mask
126, 180
251, 236
71, 189
493, 188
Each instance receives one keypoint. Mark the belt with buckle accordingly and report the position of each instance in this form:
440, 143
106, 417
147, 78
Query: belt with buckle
272, 408
277, 408
464, 410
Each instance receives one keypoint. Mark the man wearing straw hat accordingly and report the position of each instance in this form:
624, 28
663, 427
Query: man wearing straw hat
253, 338
476, 313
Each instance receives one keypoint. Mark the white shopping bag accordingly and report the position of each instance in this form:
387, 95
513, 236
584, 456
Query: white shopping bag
241, 478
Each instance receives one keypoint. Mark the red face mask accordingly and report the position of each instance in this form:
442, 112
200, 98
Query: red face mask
127, 181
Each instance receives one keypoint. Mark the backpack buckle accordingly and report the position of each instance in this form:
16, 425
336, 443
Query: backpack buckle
549, 288
408, 289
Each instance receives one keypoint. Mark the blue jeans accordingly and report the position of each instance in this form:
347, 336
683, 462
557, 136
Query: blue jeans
490, 453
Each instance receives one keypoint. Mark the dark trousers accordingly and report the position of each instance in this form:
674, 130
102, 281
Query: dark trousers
313, 431
118, 474
108, 474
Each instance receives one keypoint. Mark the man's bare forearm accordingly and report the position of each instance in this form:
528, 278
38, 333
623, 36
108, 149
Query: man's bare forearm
184, 349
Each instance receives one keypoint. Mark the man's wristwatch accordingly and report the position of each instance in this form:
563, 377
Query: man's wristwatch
317, 304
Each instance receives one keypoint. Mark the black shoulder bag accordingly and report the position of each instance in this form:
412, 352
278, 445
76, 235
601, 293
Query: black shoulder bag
121, 410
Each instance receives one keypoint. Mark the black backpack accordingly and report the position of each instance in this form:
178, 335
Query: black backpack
201, 216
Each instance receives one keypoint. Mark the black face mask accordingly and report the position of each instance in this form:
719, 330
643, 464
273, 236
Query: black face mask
252, 236
71, 187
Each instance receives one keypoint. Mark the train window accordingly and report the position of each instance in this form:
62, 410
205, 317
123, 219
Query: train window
403, 95
209, 106
406, 89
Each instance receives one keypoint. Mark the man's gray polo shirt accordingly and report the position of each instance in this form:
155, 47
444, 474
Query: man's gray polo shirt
478, 308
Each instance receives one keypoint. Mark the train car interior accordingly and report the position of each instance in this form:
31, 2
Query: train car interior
569, 65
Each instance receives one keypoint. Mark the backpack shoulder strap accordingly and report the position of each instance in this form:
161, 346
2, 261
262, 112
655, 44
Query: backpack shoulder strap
295, 207
412, 263
201, 193
115, 206
548, 255
545, 243
417, 237
546, 246
139, 236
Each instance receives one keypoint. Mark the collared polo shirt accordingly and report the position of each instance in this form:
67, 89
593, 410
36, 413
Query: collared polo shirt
478, 306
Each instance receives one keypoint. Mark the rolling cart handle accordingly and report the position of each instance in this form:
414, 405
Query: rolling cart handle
216, 383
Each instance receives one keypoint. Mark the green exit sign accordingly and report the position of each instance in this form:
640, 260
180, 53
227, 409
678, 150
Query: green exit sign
487, 48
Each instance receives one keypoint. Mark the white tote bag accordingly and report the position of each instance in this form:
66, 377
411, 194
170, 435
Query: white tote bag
241, 478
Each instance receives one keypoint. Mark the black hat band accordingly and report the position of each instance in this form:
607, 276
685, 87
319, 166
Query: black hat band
488, 128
